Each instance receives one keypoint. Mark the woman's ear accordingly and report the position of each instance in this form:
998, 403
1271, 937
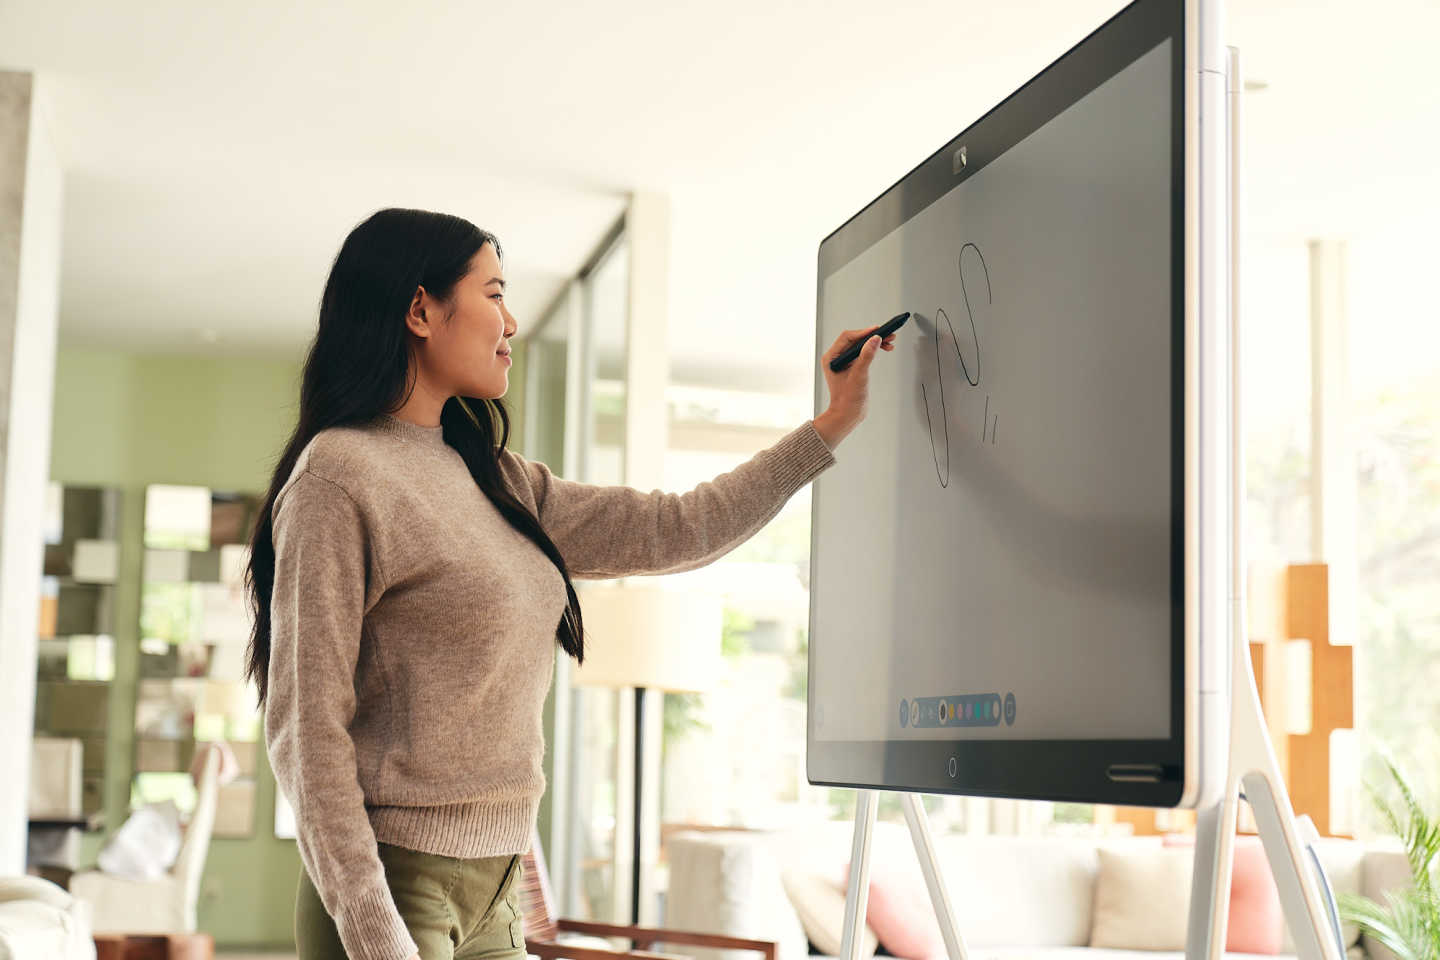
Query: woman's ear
415, 320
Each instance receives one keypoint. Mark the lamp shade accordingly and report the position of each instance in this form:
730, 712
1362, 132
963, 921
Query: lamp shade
650, 636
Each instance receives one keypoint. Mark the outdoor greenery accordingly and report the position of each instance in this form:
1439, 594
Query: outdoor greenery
170, 611
1398, 538
889, 809
683, 711
799, 686
1397, 628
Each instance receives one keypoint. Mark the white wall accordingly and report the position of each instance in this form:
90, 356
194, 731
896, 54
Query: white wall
30, 224
737, 277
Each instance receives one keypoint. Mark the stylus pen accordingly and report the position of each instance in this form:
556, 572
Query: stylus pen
853, 351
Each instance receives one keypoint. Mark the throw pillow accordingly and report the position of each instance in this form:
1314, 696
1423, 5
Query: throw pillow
821, 907
1257, 922
898, 907
1142, 899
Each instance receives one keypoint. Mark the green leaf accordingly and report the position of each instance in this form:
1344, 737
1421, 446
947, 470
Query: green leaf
1420, 834
1408, 923
1393, 926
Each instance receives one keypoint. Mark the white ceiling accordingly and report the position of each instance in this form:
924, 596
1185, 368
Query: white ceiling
216, 154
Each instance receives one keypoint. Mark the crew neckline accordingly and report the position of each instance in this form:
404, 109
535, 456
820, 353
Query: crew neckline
407, 432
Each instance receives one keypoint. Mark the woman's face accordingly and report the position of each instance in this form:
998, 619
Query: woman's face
464, 355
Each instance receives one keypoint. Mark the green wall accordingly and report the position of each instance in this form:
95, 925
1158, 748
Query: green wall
129, 420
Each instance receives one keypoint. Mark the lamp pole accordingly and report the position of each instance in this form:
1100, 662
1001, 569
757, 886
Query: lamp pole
638, 805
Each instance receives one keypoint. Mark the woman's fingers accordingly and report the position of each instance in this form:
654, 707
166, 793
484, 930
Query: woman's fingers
843, 341
847, 337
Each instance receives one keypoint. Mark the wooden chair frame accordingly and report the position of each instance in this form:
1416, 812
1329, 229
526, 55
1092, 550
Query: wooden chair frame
542, 927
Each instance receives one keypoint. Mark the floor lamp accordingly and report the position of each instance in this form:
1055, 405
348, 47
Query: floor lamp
648, 637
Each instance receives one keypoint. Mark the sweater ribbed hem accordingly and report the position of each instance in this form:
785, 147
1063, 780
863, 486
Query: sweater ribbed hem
482, 828
799, 456
371, 928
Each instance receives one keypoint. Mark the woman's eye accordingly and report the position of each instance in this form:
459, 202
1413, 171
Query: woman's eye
496, 296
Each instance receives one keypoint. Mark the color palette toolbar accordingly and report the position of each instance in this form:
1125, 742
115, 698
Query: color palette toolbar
964, 710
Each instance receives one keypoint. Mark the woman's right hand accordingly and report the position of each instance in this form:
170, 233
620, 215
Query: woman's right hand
849, 389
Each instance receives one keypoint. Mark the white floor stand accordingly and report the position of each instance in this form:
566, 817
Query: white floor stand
1252, 772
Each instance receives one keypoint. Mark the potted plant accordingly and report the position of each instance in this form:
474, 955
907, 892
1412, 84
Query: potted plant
1408, 923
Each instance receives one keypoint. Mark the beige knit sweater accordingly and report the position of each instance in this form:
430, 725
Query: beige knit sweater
413, 640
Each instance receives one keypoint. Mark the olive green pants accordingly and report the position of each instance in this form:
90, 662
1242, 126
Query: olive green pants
455, 909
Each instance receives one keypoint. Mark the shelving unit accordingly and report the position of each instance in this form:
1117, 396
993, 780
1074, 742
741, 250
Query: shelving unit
190, 685
76, 632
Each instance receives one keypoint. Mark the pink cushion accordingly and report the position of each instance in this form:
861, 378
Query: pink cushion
1257, 923
898, 908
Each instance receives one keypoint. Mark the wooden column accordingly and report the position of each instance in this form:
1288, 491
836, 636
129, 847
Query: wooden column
1332, 698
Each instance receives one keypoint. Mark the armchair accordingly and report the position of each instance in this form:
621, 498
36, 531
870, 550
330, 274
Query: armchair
167, 904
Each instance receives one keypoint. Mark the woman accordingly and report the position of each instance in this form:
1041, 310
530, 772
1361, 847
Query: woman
408, 574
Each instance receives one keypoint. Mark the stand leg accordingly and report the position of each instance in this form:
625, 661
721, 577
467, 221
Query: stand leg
1210, 879
925, 850
1305, 911
867, 802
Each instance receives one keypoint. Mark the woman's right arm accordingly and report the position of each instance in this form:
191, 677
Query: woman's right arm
321, 570
620, 531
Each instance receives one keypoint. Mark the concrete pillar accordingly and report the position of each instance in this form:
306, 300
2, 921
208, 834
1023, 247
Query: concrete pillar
30, 222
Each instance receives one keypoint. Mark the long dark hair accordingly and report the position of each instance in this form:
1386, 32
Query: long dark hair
357, 368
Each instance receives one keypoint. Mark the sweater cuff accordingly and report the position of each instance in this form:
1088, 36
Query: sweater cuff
371, 928
798, 457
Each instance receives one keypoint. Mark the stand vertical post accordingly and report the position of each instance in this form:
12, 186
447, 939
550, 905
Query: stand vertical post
1251, 770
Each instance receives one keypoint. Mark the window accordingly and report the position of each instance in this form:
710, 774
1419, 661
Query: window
605, 290
1395, 383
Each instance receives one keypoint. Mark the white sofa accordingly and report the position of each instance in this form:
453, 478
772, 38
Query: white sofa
41, 921
1014, 897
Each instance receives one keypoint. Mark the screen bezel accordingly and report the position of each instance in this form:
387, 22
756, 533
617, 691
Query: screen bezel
1066, 770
